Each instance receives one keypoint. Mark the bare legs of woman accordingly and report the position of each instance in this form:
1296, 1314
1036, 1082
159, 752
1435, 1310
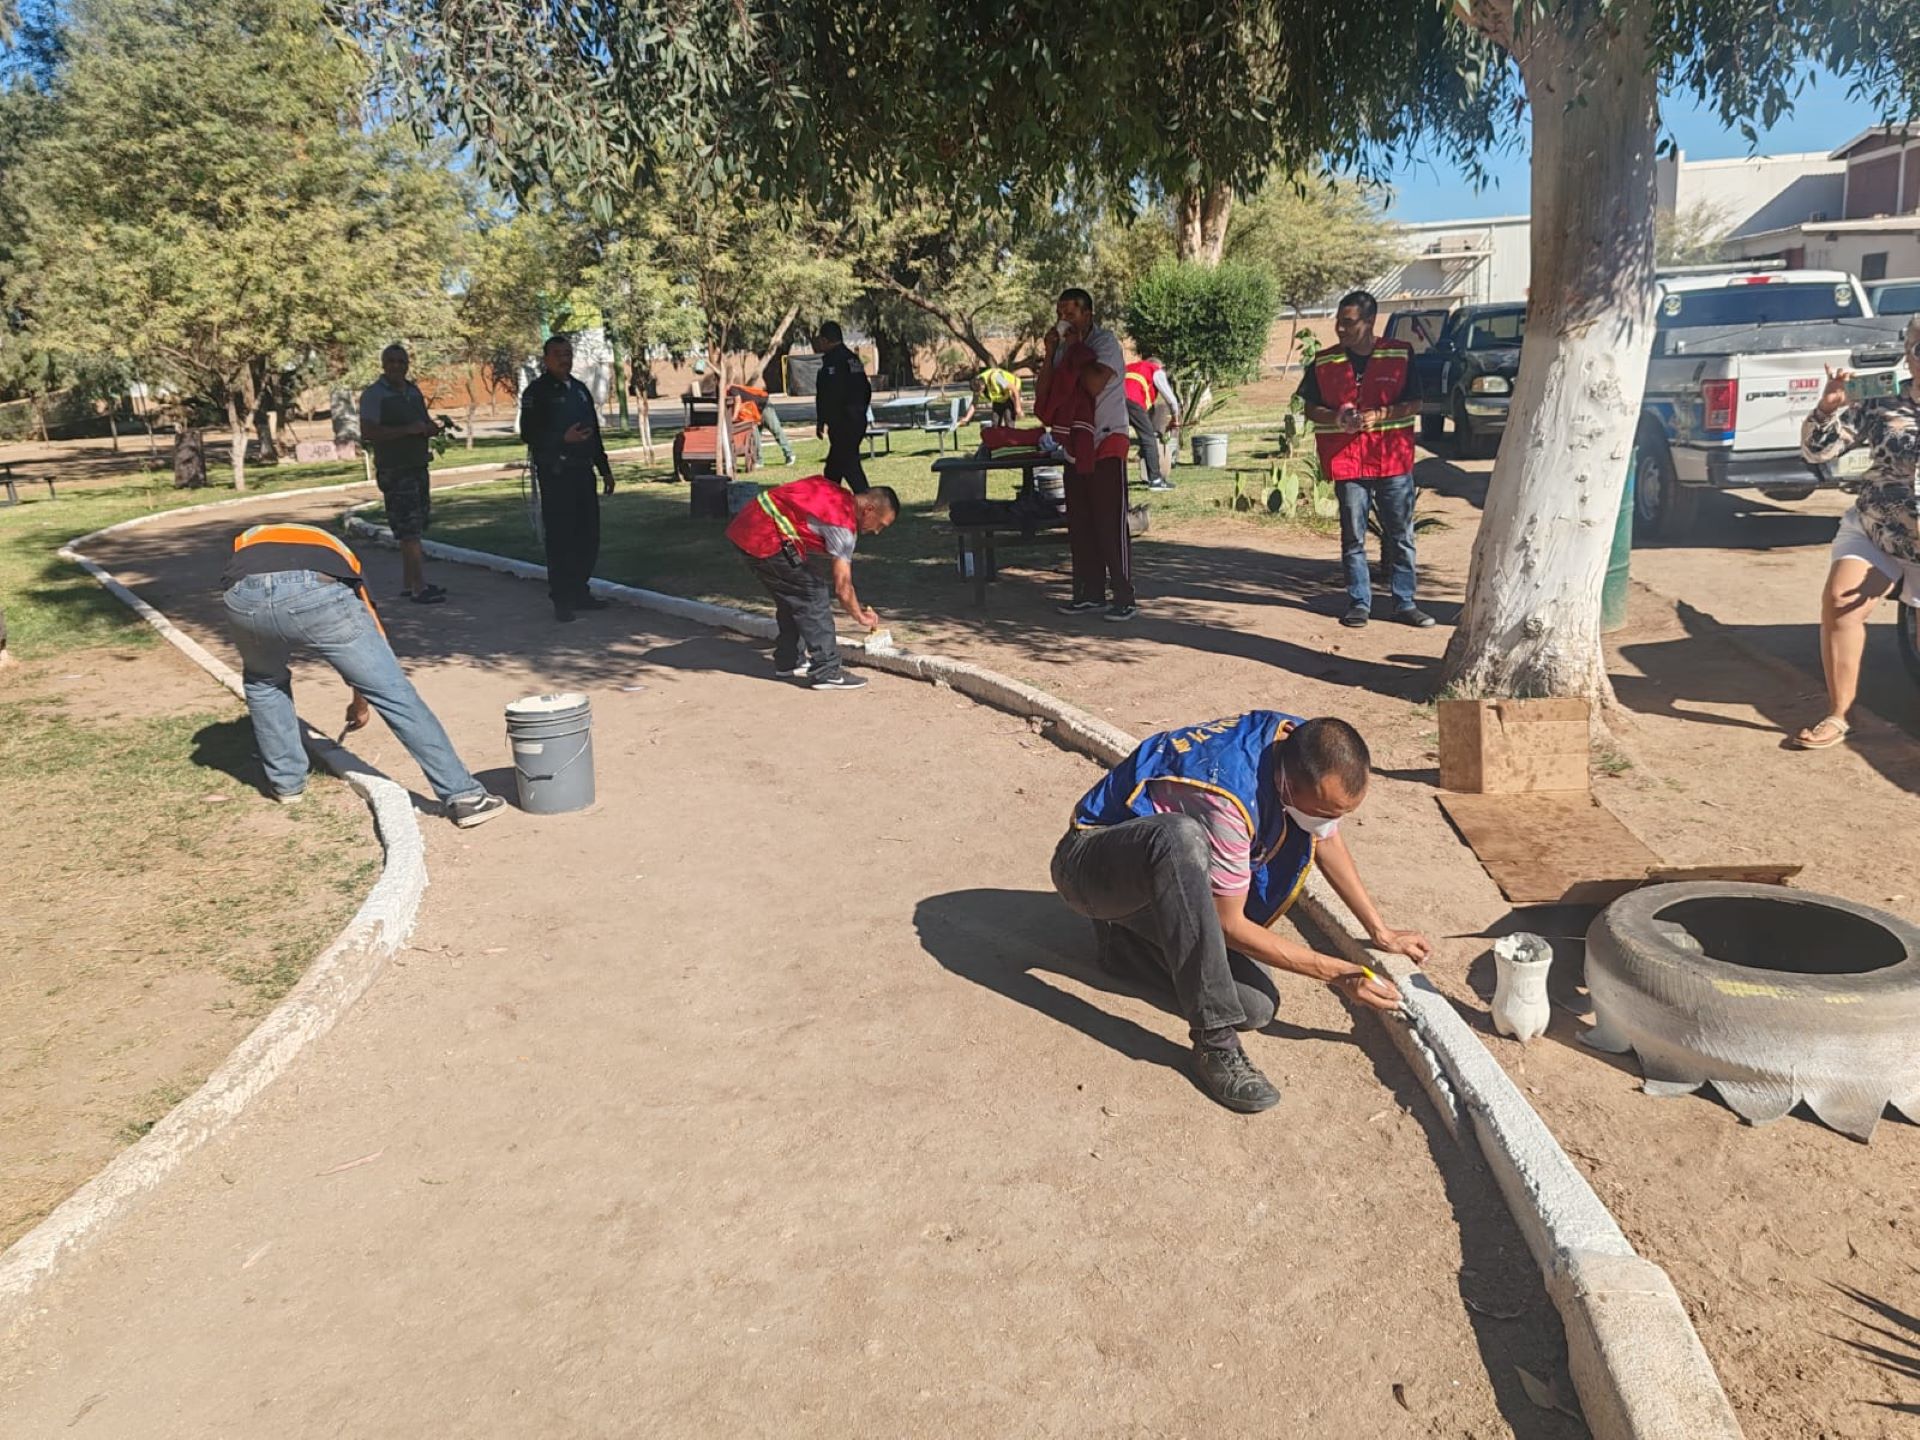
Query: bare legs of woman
1853, 588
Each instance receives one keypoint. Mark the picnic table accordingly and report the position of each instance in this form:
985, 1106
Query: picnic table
979, 544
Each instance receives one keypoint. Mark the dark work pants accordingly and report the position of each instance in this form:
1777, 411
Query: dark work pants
844, 465
803, 610
1097, 533
570, 518
1149, 877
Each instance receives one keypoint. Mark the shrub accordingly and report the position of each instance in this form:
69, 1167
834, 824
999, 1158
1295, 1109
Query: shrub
1208, 325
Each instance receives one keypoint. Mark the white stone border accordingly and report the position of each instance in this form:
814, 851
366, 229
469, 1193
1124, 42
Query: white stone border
1637, 1362
332, 983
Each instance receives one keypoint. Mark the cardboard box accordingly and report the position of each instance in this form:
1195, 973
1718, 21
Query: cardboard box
1506, 747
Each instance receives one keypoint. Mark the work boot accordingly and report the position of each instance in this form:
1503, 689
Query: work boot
1413, 615
1356, 616
1232, 1079
562, 611
591, 602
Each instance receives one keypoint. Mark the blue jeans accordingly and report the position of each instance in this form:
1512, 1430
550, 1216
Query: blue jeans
1392, 499
273, 614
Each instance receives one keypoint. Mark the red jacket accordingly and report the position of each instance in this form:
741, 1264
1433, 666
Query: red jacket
782, 513
1070, 412
1368, 454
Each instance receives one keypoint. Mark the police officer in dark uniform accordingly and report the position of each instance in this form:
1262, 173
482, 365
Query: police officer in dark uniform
840, 408
561, 425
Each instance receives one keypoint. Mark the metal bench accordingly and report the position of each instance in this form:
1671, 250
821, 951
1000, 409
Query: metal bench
942, 424
13, 482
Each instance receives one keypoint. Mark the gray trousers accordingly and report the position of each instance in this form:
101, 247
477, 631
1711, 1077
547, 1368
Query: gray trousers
1147, 438
1144, 884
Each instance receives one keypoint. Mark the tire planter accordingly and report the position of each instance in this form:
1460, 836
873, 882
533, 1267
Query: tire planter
1774, 997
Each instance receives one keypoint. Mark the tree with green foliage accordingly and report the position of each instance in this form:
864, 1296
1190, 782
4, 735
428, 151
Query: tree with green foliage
1207, 324
1315, 236
215, 234
496, 315
1002, 103
1691, 235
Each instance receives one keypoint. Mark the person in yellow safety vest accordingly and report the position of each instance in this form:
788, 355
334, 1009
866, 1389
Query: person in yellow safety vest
1357, 400
1153, 410
1000, 389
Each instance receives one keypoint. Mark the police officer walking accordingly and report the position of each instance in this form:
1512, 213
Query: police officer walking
561, 426
840, 408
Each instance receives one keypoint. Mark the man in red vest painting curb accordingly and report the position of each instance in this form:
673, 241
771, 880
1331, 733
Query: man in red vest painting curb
798, 539
1362, 418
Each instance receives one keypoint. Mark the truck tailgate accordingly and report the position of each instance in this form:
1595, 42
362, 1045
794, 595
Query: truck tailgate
1776, 393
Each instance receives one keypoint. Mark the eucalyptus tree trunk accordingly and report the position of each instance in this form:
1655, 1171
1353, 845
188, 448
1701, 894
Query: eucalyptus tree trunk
1200, 231
237, 442
1531, 625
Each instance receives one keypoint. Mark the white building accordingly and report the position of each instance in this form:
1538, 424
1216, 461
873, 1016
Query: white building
1462, 262
1868, 224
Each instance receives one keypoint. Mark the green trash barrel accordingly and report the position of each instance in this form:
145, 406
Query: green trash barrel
1613, 594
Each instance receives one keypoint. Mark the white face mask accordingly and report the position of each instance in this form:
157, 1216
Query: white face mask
1064, 329
1318, 826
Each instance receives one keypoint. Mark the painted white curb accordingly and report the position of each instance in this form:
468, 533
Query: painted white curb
332, 983
1637, 1362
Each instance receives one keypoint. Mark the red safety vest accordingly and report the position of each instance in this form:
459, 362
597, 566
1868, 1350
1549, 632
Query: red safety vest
1370, 454
782, 513
1141, 387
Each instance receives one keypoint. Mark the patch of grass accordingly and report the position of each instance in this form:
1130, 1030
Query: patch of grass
150, 831
1611, 762
151, 1110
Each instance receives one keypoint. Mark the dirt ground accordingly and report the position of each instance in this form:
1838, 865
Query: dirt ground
1793, 1247
775, 1095
152, 909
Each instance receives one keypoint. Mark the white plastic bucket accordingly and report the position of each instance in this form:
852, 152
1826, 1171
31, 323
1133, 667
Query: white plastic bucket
551, 740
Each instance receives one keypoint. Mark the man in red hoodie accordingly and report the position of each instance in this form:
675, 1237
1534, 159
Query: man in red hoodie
1081, 390
798, 539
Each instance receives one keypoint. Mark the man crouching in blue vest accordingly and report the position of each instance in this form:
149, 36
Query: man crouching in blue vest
1197, 842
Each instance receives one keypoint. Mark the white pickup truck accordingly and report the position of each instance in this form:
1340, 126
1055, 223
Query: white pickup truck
1738, 360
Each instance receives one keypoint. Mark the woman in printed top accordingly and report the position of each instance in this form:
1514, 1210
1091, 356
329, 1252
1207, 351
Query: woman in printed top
1878, 544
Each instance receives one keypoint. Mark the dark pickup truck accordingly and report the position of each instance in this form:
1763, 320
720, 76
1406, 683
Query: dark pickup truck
1464, 364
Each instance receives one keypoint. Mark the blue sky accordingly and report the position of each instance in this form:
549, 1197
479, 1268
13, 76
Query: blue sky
1823, 119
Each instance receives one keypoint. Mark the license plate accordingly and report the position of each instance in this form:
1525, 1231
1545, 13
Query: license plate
1853, 463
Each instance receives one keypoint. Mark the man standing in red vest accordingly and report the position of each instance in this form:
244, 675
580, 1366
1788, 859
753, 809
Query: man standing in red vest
798, 539
1363, 419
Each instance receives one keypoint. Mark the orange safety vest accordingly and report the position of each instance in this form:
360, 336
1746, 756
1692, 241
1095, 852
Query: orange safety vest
282, 533
1369, 454
1142, 387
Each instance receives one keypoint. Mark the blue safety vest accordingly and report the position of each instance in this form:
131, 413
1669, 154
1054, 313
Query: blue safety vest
1232, 757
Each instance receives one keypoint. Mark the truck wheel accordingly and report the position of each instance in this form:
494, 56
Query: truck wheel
1907, 626
1472, 444
1432, 427
1663, 508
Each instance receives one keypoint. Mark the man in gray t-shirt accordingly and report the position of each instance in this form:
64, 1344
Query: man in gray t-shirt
396, 427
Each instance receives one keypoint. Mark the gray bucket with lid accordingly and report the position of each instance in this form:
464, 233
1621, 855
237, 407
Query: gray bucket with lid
1210, 450
551, 738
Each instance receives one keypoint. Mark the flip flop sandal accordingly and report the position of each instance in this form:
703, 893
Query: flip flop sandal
429, 595
1835, 728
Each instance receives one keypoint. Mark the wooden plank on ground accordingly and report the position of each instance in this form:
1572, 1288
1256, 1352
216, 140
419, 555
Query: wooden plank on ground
1551, 848
1748, 874
1493, 747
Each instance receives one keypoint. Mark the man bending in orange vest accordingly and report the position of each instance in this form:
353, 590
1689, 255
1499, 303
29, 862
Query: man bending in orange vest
798, 539
1363, 419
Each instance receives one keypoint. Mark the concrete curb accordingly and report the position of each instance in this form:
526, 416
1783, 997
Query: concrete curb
1638, 1364
337, 978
